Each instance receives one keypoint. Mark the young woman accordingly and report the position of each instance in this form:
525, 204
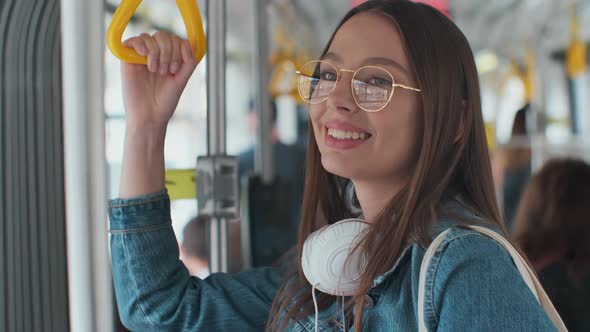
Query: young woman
397, 131
552, 228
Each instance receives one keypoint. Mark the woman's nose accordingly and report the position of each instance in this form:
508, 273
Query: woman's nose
341, 98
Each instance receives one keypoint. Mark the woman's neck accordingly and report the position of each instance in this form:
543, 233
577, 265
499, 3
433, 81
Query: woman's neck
373, 196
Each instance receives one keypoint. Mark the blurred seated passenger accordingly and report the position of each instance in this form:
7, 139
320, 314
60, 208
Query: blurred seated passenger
552, 226
194, 249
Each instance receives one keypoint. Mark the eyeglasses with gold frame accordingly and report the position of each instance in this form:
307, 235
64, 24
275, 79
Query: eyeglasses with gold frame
372, 86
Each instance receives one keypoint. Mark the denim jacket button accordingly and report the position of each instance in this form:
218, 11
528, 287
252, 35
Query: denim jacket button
369, 302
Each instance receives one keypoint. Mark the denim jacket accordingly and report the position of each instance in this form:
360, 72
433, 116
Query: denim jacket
475, 285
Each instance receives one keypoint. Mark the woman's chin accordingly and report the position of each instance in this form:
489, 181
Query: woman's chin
345, 169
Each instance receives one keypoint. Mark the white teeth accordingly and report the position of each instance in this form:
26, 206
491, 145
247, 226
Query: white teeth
341, 134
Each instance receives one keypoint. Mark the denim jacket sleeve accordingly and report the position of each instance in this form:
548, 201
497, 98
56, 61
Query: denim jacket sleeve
477, 287
154, 289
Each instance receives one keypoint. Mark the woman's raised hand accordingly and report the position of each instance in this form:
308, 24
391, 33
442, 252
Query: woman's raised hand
151, 93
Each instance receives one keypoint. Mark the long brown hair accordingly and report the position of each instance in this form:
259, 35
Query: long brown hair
552, 219
453, 159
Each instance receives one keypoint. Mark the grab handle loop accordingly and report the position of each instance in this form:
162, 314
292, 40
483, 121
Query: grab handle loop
192, 20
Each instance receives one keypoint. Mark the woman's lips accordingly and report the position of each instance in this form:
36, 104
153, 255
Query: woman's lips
344, 139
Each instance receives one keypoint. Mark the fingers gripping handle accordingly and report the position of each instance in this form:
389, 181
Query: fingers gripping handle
192, 20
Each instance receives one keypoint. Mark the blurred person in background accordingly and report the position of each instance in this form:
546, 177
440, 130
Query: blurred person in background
289, 160
194, 248
552, 226
512, 167
274, 208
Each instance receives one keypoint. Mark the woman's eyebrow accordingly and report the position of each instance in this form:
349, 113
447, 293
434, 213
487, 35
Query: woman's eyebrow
371, 61
332, 56
384, 61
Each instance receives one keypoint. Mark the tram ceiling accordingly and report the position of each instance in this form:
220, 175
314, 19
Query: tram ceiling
509, 27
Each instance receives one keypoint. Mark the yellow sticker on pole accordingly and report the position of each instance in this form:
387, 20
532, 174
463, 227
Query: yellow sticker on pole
181, 183
491, 135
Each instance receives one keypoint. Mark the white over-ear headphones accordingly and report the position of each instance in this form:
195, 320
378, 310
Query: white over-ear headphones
331, 260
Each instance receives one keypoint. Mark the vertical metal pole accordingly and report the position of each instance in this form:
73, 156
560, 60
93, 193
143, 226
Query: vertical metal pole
216, 144
263, 154
537, 108
89, 276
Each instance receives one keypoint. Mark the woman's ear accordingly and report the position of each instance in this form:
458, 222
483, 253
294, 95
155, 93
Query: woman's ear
461, 130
